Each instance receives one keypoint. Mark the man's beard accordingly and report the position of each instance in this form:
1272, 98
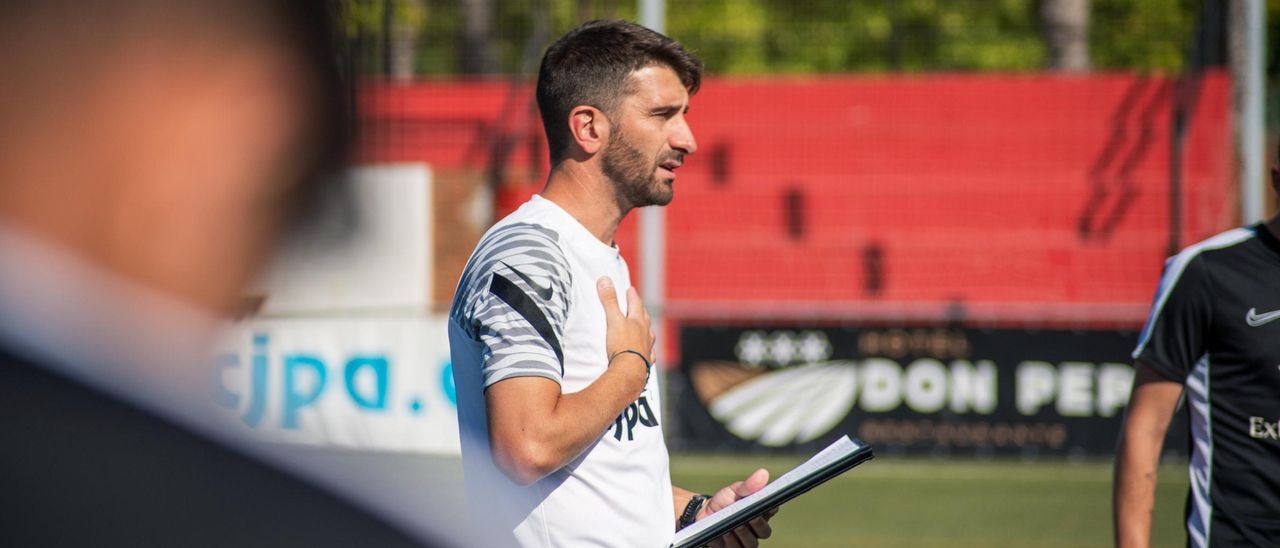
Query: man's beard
634, 176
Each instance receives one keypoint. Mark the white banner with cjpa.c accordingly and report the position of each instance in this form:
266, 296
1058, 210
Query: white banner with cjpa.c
375, 384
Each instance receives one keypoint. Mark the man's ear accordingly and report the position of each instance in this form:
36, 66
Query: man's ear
589, 128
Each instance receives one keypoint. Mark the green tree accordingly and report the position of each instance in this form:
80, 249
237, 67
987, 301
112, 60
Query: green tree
1147, 35
802, 36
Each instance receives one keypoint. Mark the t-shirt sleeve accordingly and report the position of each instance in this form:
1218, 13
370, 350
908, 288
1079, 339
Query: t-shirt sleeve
1173, 340
518, 299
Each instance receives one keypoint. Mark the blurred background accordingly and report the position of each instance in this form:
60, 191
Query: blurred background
935, 225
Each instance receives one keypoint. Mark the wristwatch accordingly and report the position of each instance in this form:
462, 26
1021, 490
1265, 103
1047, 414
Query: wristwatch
691, 511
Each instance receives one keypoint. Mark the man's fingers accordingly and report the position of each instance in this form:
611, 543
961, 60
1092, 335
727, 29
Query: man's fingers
760, 527
747, 535
635, 305
732, 494
722, 498
729, 540
755, 482
608, 298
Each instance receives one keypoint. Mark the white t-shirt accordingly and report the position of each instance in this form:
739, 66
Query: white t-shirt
527, 306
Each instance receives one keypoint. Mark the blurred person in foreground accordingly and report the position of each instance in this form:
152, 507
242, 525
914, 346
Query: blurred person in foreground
552, 348
1214, 338
151, 154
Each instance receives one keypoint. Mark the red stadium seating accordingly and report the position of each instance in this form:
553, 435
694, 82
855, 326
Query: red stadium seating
1007, 195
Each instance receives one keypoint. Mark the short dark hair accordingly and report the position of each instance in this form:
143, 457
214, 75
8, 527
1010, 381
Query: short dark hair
591, 65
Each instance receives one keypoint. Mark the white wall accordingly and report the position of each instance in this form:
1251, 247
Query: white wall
386, 265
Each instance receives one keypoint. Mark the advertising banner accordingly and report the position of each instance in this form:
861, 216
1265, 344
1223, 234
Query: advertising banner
375, 384
921, 390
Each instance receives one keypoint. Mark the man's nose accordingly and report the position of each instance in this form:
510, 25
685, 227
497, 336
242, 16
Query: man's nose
683, 140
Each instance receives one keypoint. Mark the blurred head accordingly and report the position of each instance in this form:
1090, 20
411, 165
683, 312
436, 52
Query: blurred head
169, 141
620, 91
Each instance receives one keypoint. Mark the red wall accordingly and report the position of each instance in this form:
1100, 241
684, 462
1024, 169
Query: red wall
1018, 196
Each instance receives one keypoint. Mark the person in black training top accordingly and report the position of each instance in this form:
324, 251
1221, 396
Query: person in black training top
152, 152
1214, 337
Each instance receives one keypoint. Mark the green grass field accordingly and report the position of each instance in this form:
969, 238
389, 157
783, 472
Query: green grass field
887, 502
911, 502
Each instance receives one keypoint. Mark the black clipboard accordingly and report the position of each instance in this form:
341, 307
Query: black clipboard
836, 459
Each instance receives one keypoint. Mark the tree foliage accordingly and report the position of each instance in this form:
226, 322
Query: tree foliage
807, 36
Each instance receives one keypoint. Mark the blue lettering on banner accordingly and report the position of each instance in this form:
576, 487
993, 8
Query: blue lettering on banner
305, 381
293, 399
377, 365
258, 383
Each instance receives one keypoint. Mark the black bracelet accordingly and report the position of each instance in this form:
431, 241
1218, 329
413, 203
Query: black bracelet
691, 510
648, 366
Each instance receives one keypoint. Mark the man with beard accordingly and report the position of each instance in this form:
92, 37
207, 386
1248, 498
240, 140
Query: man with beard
551, 345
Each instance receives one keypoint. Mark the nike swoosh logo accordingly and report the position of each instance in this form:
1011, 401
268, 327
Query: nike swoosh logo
544, 293
1254, 319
